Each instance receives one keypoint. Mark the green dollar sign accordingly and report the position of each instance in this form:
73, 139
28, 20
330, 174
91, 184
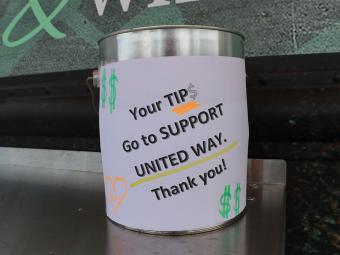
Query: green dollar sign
225, 202
113, 81
103, 91
237, 199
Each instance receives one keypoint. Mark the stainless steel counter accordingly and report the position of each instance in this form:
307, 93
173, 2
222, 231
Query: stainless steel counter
61, 212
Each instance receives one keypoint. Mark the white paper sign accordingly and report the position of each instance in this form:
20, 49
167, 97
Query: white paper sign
174, 141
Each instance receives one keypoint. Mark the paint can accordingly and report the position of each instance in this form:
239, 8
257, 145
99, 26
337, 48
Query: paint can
173, 128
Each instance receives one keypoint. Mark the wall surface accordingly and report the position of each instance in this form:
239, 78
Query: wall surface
57, 35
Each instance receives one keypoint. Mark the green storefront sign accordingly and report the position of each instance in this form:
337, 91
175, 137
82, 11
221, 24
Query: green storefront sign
56, 35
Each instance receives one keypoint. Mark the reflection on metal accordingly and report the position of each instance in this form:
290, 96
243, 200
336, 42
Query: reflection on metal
65, 211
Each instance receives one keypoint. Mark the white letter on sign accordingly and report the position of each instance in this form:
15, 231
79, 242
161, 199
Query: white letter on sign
184, 1
156, 3
100, 4
125, 4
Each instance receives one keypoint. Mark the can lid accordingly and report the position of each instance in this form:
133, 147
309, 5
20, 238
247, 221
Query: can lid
171, 27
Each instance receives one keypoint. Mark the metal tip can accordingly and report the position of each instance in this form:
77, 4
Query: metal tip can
173, 128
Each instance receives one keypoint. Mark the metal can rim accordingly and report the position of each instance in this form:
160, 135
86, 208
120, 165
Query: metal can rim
184, 232
170, 27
